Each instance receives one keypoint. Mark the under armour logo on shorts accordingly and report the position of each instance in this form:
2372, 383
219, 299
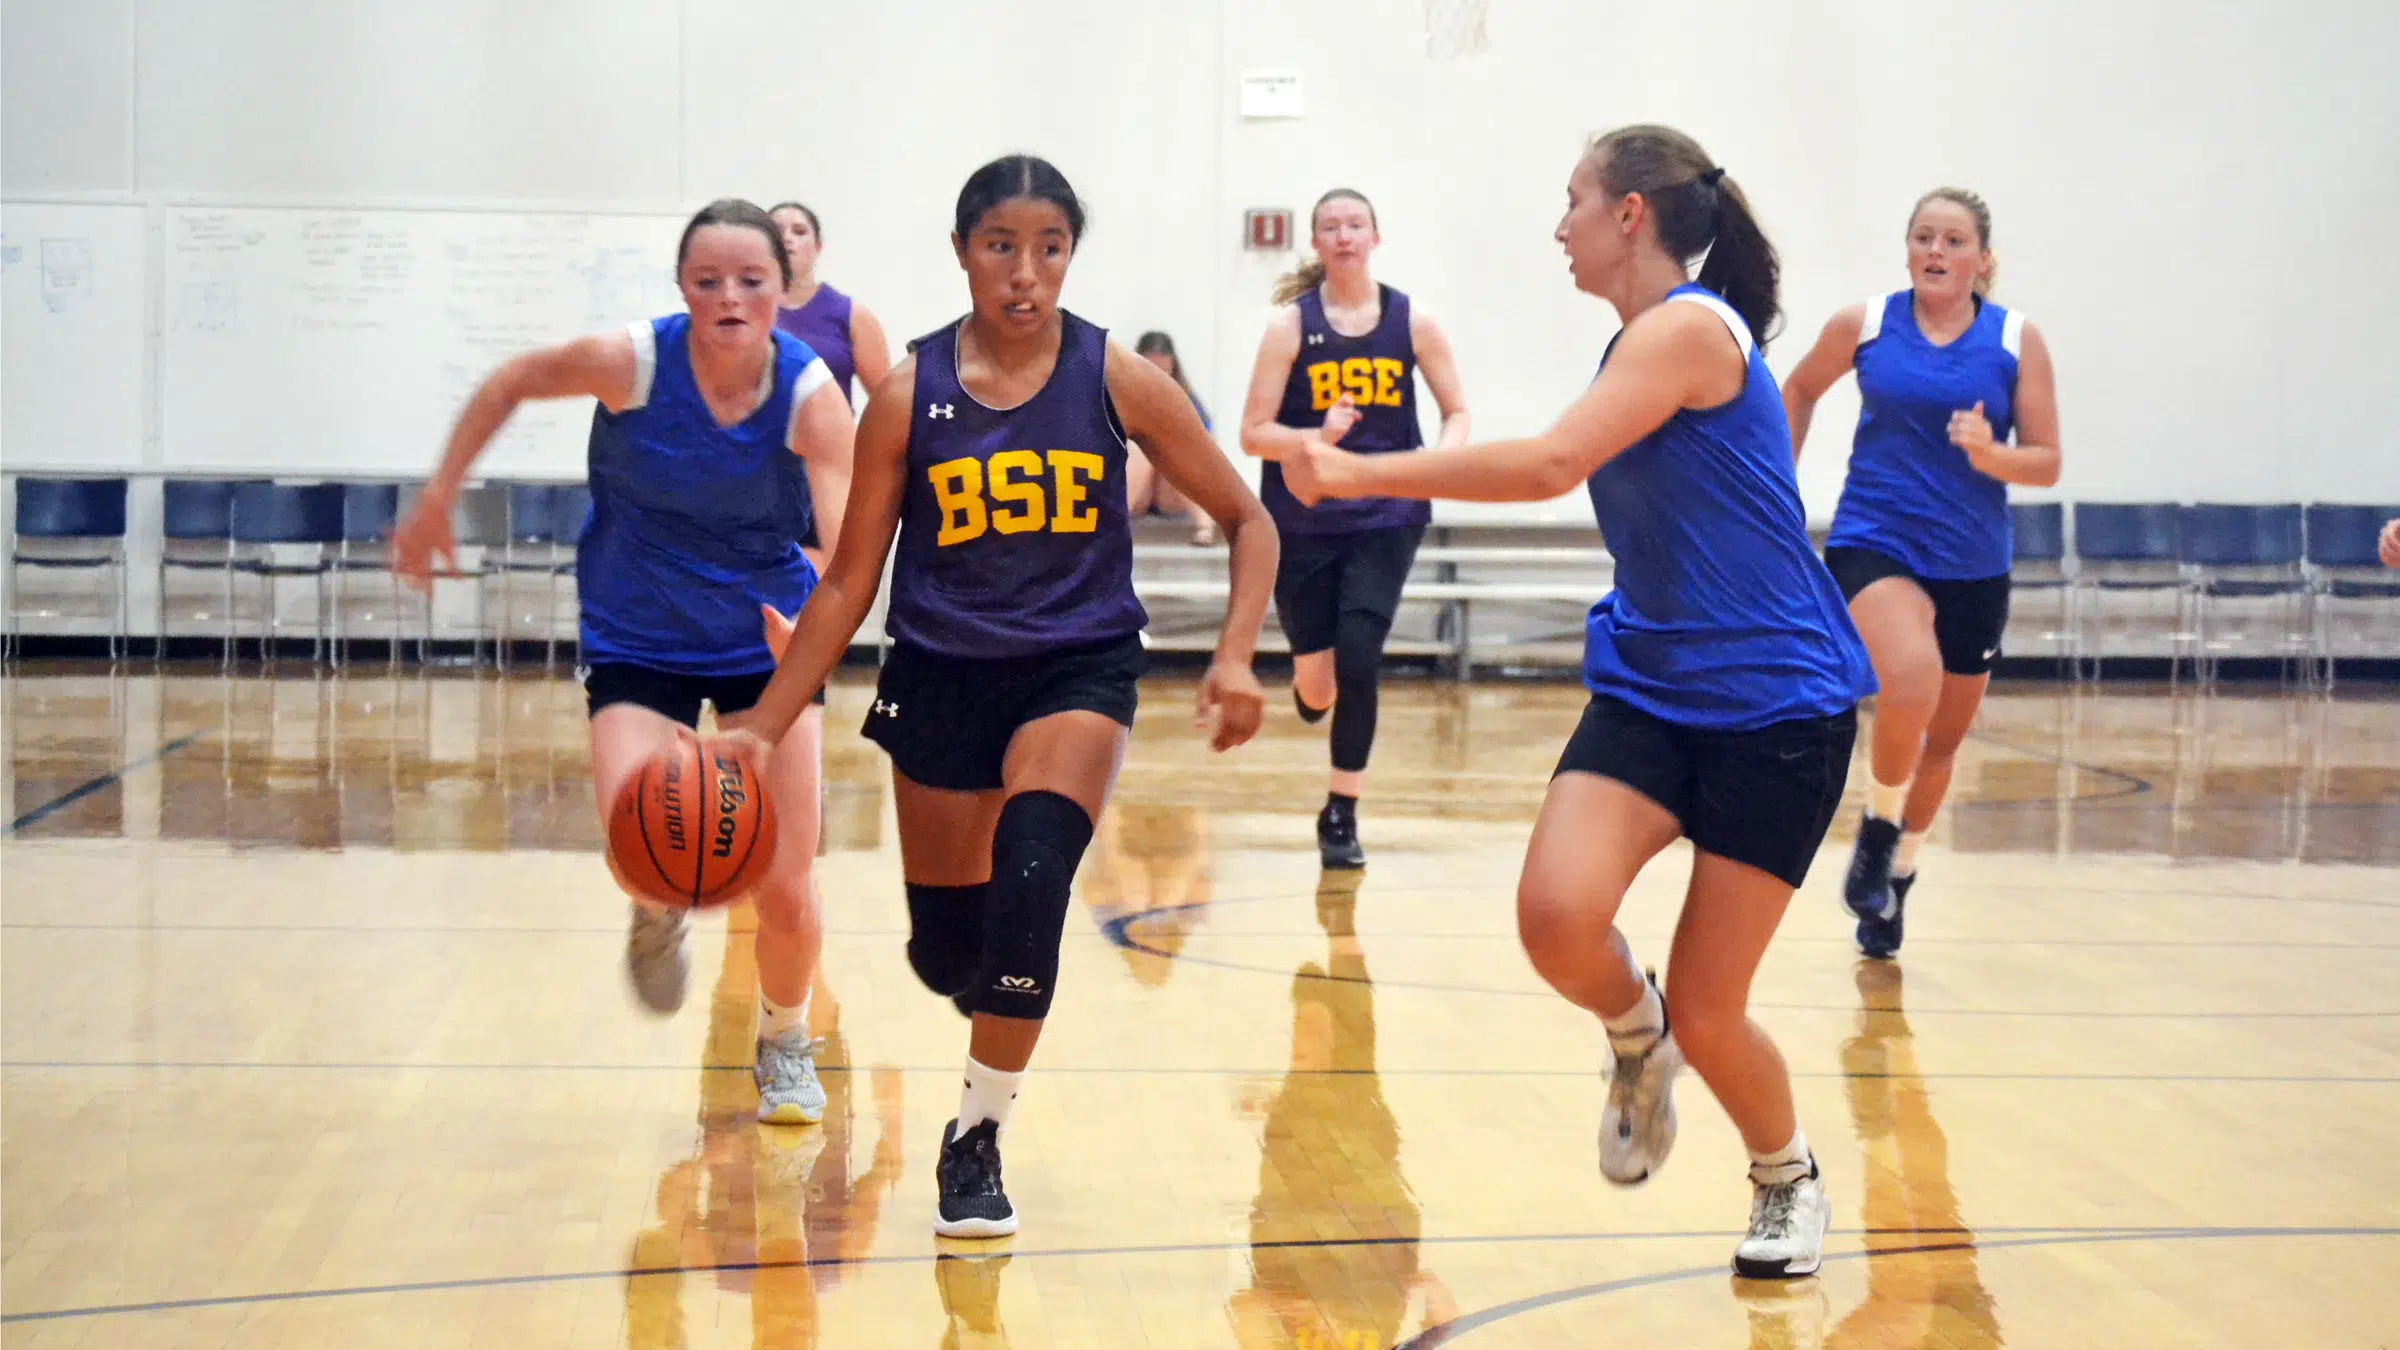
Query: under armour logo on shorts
942, 410
883, 709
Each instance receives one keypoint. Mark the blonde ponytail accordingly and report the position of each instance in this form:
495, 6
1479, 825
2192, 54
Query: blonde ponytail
1298, 282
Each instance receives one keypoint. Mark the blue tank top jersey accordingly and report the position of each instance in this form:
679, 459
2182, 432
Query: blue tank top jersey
824, 324
692, 524
1379, 373
1014, 534
1722, 617
1911, 494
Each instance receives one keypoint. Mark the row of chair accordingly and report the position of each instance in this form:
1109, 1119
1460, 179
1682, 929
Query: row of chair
328, 534
2308, 563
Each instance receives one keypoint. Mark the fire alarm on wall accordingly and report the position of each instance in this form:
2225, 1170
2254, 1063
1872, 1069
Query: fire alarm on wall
1266, 229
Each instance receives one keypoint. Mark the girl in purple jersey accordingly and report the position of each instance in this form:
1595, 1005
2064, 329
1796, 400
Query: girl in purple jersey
996, 452
1338, 337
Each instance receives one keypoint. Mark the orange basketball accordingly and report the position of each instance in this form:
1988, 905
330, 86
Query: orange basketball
693, 827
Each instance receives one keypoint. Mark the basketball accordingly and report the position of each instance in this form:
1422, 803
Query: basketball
693, 827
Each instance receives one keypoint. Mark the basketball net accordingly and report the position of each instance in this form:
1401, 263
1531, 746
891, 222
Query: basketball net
1455, 29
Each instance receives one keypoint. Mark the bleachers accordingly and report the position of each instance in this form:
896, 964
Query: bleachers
1482, 597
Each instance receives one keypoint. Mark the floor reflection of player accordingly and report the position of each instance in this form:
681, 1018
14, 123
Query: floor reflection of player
1152, 861
780, 1204
1329, 1170
1925, 1298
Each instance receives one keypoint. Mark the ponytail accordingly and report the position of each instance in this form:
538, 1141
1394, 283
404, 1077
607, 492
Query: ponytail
1298, 282
1741, 264
1697, 210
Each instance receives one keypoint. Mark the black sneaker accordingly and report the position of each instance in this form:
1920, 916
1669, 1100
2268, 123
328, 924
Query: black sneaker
1867, 890
1337, 842
973, 1205
1879, 935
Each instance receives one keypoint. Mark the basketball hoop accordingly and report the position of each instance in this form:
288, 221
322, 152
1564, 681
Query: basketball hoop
1455, 29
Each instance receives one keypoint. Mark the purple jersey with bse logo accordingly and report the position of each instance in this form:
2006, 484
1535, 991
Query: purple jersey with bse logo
1014, 535
1379, 372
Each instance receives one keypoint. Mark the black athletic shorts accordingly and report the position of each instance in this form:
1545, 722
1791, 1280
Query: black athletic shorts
1968, 616
1323, 575
1761, 797
671, 695
946, 720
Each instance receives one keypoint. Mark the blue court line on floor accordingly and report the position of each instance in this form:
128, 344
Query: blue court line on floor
101, 784
1978, 1240
1261, 1071
1459, 1327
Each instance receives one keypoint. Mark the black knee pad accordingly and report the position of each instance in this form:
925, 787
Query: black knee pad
1357, 668
945, 935
1036, 848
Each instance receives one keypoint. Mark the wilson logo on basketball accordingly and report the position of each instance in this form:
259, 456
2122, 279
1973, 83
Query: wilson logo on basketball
730, 798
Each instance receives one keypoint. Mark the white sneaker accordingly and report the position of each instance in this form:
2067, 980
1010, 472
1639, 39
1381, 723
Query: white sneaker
656, 959
1787, 1228
786, 1074
1637, 1127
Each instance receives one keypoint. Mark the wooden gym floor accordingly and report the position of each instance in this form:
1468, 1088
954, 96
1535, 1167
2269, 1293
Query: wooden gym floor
315, 1036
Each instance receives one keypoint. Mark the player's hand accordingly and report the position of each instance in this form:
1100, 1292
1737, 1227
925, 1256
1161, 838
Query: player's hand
1971, 432
1338, 420
779, 629
743, 743
423, 539
1231, 704
2388, 546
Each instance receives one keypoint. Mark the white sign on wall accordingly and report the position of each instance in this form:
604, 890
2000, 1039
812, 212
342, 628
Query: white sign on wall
1271, 93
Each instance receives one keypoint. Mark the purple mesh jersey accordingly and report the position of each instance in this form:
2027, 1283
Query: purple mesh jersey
824, 324
1379, 373
1014, 537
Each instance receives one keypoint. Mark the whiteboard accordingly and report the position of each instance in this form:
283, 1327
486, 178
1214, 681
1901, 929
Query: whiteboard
74, 328
315, 340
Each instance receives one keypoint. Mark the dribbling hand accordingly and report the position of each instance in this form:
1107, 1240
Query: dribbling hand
1231, 705
422, 539
1971, 432
2387, 547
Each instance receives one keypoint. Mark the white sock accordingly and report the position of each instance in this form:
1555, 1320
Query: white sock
775, 1021
1884, 800
1789, 1163
1904, 859
988, 1096
1632, 1031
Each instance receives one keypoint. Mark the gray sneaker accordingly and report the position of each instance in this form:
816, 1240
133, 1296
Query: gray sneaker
656, 959
786, 1074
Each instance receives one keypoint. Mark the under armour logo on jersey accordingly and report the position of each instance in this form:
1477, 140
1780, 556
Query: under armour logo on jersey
883, 709
1316, 339
942, 410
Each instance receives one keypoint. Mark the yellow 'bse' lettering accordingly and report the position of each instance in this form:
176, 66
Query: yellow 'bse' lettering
1371, 382
1017, 504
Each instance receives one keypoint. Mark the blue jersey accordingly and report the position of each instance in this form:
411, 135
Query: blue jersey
693, 524
1722, 617
1911, 494
1014, 534
1379, 373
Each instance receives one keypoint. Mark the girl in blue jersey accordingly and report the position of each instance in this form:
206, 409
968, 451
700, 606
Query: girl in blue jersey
1724, 672
705, 423
1920, 540
1340, 337
996, 451
845, 333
